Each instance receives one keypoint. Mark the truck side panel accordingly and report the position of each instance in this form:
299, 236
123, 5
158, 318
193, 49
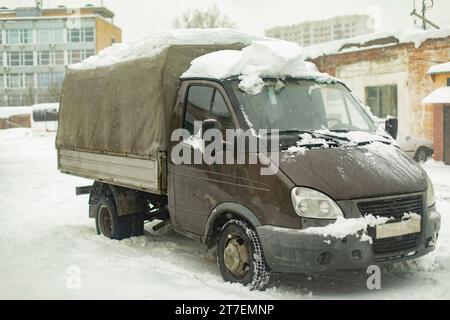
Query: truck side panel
139, 174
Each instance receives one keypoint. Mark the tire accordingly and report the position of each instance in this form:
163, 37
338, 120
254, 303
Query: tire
240, 256
137, 225
109, 223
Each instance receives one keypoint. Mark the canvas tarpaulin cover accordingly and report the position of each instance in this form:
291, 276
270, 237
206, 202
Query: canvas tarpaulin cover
125, 108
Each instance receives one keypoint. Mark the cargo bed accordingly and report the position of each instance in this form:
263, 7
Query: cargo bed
139, 174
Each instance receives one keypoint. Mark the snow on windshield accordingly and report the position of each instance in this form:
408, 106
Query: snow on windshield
276, 59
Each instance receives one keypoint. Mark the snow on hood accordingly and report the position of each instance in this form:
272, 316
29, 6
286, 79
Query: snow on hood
277, 58
408, 35
159, 41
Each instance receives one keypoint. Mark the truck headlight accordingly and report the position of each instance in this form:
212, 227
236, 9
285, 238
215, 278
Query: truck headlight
309, 203
430, 193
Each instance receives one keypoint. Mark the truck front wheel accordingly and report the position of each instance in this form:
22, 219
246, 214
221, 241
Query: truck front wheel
240, 256
109, 223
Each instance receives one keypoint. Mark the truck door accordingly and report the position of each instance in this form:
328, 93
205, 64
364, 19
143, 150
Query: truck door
199, 188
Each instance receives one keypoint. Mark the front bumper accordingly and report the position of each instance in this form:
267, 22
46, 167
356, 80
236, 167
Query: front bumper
293, 251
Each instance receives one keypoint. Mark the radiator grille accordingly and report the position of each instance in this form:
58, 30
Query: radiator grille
394, 208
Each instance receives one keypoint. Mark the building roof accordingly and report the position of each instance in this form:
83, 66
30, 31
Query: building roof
33, 12
440, 68
438, 96
376, 40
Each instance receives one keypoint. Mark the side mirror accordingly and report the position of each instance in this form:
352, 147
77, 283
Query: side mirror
392, 127
209, 124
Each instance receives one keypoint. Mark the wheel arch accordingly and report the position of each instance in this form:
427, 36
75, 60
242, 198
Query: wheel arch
223, 213
127, 201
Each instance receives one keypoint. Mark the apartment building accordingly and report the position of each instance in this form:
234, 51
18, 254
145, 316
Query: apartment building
37, 44
314, 32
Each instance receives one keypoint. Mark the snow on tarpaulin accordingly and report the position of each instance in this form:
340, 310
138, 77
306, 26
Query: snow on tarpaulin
158, 41
136, 83
369, 41
278, 59
438, 96
440, 68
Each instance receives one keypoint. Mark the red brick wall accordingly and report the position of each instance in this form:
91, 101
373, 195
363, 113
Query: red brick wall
438, 132
20, 121
420, 84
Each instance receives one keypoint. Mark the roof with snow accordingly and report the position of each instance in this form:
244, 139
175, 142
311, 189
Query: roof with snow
277, 58
438, 96
158, 41
440, 68
376, 40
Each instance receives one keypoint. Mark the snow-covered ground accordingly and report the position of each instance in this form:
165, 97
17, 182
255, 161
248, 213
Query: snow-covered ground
45, 231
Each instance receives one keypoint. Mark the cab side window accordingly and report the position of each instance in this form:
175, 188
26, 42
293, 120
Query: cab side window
198, 106
220, 111
203, 103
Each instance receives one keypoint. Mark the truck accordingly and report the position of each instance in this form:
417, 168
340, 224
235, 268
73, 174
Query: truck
342, 196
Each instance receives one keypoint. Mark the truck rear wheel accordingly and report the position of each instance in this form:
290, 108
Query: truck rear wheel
109, 223
240, 256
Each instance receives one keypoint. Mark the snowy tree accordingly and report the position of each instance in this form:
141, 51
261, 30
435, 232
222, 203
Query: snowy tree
211, 18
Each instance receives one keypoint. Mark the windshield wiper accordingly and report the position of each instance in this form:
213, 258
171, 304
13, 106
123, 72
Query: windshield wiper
292, 131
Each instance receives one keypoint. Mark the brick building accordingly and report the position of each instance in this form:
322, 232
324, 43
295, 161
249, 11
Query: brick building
440, 99
37, 44
388, 72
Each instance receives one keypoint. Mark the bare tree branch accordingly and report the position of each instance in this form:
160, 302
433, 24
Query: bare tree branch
211, 18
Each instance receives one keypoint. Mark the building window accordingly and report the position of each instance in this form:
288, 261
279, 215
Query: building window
14, 100
74, 35
19, 36
14, 81
44, 58
50, 79
29, 80
50, 36
16, 58
44, 80
28, 58
88, 35
448, 82
59, 58
382, 100
76, 56
81, 35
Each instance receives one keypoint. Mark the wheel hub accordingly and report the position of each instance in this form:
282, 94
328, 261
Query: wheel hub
236, 256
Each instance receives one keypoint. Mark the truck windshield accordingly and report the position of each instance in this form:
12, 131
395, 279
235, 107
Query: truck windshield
300, 105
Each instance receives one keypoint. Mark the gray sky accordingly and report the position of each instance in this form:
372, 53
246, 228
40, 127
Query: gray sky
140, 17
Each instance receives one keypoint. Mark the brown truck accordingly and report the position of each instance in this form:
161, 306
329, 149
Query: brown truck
115, 127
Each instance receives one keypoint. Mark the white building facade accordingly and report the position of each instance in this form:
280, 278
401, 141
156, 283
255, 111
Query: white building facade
313, 32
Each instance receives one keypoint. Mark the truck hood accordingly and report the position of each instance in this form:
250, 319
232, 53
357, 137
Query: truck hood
347, 173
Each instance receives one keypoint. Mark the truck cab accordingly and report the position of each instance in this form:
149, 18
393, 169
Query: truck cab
324, 175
